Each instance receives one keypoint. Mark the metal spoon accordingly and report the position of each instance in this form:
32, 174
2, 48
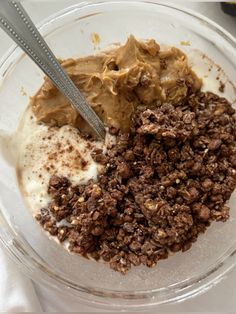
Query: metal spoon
17, 24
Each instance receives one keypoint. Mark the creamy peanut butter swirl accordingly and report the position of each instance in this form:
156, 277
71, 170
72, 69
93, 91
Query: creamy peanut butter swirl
116, 82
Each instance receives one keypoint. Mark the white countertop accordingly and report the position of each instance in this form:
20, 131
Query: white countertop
40, 9
221, 298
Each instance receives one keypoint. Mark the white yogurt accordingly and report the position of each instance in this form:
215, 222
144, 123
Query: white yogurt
45, 151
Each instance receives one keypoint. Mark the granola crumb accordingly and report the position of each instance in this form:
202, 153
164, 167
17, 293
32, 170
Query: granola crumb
221, 87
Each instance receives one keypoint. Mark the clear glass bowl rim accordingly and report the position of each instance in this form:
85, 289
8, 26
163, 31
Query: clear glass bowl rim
106, 298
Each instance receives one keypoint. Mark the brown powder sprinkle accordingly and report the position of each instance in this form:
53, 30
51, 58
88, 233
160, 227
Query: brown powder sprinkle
163, 185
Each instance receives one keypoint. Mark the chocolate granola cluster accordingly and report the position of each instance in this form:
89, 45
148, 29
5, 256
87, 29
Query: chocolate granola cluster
162, 185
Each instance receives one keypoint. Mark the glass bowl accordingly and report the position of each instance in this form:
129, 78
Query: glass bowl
70, 33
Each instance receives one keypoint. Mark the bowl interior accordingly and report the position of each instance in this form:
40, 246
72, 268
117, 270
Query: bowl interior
70, 34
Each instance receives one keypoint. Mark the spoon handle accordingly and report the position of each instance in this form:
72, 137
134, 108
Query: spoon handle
17, 24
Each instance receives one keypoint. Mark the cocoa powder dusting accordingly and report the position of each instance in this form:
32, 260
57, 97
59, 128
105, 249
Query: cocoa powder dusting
162, 185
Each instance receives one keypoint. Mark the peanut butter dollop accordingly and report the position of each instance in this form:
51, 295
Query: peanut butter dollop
115, 82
